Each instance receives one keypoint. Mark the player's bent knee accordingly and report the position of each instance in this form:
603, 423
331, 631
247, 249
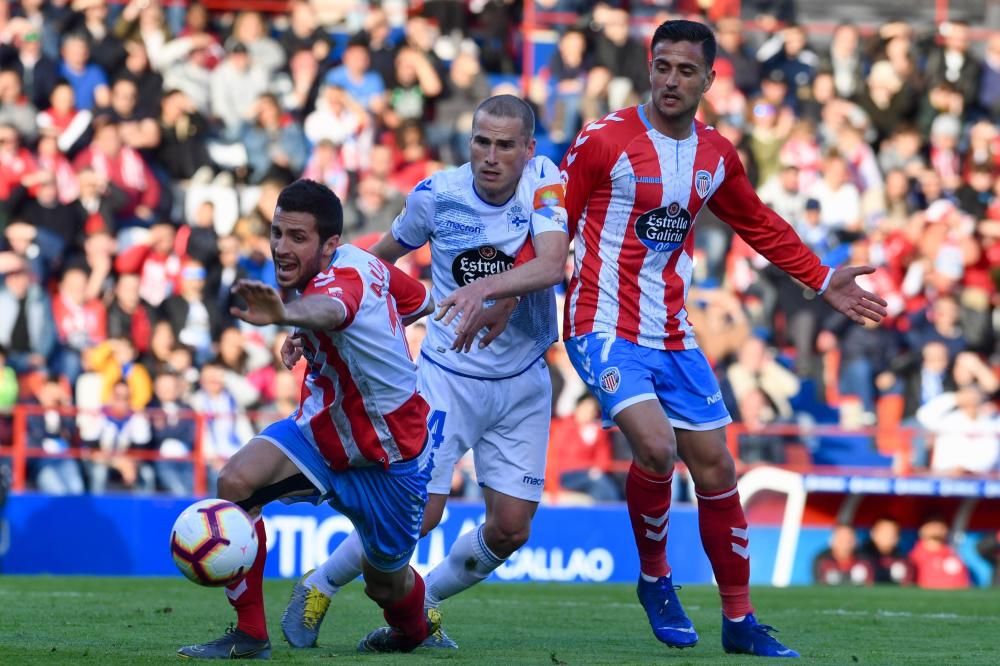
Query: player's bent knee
381, 592
504, 540
724, 473
716, 473
659, 459
233, 486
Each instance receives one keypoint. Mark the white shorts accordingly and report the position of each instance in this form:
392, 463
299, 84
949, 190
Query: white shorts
504, 421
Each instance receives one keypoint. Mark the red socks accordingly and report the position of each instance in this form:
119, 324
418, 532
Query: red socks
407, 615
723, 528
247, 596
648, 498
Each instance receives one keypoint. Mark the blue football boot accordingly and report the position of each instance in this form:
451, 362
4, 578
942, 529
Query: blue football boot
750, 637
670, 623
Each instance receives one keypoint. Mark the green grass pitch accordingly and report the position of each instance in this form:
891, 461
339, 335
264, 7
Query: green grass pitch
77, 620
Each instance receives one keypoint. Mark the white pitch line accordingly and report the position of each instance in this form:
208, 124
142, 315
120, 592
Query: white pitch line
843, 612
894, 614
55, 593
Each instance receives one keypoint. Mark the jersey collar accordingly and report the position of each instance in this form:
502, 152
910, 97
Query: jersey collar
492, 205
649, 125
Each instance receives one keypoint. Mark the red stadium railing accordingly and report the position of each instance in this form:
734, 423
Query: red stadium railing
262, 6
222, 6
20, 452
894, 442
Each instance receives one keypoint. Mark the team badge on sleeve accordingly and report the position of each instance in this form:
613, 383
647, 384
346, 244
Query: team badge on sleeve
549, 196
610, 380
702, 183
516, 218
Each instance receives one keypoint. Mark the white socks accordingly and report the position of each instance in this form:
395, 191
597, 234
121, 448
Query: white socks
343, 566
448, 578
455, 574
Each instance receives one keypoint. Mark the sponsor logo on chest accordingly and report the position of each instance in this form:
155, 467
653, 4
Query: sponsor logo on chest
664, 229
481, 262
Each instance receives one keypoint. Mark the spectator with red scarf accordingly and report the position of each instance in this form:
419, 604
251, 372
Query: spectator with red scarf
128, 316
124, 168
81, 322
15, 160
158, 261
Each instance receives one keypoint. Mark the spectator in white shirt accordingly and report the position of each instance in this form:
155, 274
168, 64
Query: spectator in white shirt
839, 198
967, 431
120, 430
226, 427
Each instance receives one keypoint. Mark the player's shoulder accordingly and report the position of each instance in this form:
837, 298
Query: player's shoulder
540, 167
343, 275
709, 136
605, 139
457, 178
617, 129
349, 260
439, 181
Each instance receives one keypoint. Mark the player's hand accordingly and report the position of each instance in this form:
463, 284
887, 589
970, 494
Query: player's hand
846, 297
291, 351
466, 301
494, 321
264, 304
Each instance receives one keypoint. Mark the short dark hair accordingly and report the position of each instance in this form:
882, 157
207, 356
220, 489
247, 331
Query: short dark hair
687, 31
308, 196
79, 35
509, 106
359, 39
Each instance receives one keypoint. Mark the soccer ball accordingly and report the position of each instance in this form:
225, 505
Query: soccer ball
213, 542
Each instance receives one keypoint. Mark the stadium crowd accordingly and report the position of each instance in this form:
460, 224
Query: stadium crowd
142, 148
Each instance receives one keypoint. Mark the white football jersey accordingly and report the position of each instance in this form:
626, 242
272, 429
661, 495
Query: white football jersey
471, 239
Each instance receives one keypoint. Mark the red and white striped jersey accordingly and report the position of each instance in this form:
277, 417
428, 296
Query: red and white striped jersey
359, 403
632, 197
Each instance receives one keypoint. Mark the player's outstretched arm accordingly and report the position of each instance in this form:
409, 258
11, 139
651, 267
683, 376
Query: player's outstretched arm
546, 269
264, 306
389, 249
846, 297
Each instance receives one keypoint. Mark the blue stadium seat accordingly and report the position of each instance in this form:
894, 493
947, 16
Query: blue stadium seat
849, 451
550, 149
339, 43
544, 49
807, 401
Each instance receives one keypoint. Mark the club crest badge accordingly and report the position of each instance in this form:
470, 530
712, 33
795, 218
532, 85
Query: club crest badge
610, 380
517, 218
702, 183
